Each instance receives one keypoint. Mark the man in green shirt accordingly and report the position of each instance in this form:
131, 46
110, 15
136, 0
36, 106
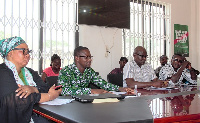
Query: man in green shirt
76, 77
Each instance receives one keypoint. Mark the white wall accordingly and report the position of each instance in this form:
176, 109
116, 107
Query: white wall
185, 12
197, 58
97, 39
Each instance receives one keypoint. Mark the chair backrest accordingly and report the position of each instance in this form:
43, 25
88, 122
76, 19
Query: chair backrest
116, 79
51, 80
93, 86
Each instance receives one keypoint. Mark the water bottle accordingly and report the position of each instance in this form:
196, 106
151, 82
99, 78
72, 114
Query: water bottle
135, 90
198, 82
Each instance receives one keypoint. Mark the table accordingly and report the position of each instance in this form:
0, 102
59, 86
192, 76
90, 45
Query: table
122, 111
152, 105
176, 105
179, 105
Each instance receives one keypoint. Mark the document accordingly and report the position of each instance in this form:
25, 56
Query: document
117, 93
105, 100
123, 93
164, 88
58, 101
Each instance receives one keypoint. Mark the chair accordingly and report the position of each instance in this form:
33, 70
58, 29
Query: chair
51, 80
116, 79
93, 86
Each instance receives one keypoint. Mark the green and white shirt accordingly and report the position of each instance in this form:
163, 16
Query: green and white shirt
76, 83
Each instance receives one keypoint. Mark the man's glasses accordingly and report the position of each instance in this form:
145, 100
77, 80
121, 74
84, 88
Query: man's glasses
86, 57
25, 51
180, 61
143, 56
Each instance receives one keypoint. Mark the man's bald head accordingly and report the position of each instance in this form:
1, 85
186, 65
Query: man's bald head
139, 49
140, 55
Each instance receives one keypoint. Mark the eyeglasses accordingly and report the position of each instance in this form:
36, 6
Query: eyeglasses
143, 56
180, 61
86, 57
25, 51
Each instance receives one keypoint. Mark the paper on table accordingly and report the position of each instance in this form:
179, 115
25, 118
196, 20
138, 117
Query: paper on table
131, 96
121, 93
118, 93
58, 101
166, 88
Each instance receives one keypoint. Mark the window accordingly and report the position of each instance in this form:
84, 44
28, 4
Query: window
150, 28
48, 27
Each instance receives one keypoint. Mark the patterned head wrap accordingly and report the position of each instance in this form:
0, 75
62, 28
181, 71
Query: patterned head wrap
6, 45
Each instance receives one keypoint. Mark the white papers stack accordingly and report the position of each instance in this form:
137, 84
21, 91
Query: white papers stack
58, 101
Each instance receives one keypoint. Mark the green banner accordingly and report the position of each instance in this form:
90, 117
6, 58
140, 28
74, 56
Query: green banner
181, 40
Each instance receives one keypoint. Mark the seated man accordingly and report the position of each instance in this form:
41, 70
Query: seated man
140, 73
122, 62
163, 61
76, 77
176, 71
190, 72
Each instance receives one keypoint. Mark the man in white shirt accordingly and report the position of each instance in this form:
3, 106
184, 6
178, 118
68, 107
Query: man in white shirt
177, 70
163, 61
139, 72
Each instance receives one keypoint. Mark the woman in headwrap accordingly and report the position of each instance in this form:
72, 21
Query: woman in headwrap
20, 87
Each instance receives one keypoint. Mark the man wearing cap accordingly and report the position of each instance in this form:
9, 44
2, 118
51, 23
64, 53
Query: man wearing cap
176, 71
